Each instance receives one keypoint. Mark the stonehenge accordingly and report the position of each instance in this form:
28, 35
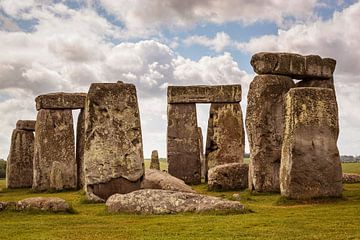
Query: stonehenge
155, 164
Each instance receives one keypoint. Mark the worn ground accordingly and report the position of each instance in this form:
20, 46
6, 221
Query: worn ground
272, 218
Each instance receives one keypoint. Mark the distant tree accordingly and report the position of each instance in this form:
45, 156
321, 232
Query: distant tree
2, 168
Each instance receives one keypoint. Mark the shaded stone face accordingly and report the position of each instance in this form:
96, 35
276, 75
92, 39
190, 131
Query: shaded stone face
80, 142
54, 157
323, 83
231, 176
204, 94
202, 155
183, 154
113, 154
28, 125
60, 101
265, 125
155, 164
225, 136
310, 163
293, 65
19, 168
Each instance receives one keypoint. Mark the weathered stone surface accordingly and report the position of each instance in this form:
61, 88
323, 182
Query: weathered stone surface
225, 136
153, 201
310, 162
183, 143
350, 178
202, 155
231, 176
28, 125
204, 94
51, 204
155, 179
19, 167
323, 83
293, 65
155, 164
80, 144
2, 206
265, 126
54, 157
113, 154
60, 100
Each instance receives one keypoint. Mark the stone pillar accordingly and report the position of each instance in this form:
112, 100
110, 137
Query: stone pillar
80, 142
310, 163
113, 154
155, 164
54, 151
19, 168
265, 125
183, 154
202, 155
225, 136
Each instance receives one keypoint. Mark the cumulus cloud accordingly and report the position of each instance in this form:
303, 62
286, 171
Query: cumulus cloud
218, 43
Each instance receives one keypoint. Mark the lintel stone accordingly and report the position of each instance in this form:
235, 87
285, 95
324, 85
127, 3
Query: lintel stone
28, 125
60, 100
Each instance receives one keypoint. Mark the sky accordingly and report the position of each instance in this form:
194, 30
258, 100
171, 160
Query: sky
52, 46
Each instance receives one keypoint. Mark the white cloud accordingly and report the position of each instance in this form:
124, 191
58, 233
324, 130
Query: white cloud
217, 44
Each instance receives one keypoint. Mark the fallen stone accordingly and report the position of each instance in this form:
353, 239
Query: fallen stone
293, 65
350, 178
310, 161
183, 153
51, 204
2, 206
28, 125
113, 153
19, 167
231, 176
60, 101
80, 144
155, 179
155, 164
236, 197
265, 126
54, 157
204, 94
153, 201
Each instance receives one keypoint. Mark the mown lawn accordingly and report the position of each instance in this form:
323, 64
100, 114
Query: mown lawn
331, 219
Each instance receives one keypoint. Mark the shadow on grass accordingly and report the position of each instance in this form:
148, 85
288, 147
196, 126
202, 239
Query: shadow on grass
284, 201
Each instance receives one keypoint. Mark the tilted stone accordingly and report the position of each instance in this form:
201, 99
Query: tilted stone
28, 125
183, 154
225, 136
155, 164
231, 176
60, 101
54, 157
310, 162
265, 124
19, 167
293, 65
80, 142
204, 94
113, 154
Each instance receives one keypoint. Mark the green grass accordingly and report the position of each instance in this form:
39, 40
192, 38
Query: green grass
351, 167
270, 219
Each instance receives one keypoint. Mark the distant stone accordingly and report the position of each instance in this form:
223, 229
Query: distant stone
60, 101
28, 125
204, 94
80, 144
155, 164
2, 206
153, 201
293, 65
231, 176
236, 197
310, 161
51, 204
350, 178
155, 179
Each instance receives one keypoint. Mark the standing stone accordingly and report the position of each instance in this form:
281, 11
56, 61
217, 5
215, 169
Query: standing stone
54, 151
226, 137
202, 155
183, 143
19, 168
113, 154
155, 164
80, 142
265, 126
310, 162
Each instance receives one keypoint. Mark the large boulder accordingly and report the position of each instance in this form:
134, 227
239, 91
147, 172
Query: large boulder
51, 204
155, 179
265, 126
113, 153
310, 161
153, 201
231, 176
351, 178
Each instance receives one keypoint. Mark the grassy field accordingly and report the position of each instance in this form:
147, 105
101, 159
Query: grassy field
330, 219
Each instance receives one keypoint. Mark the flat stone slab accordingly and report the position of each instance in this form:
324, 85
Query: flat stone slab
28, 125
231, 176
293, 65
60, 100
204, 94
351, 178
50, 204
153, 201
